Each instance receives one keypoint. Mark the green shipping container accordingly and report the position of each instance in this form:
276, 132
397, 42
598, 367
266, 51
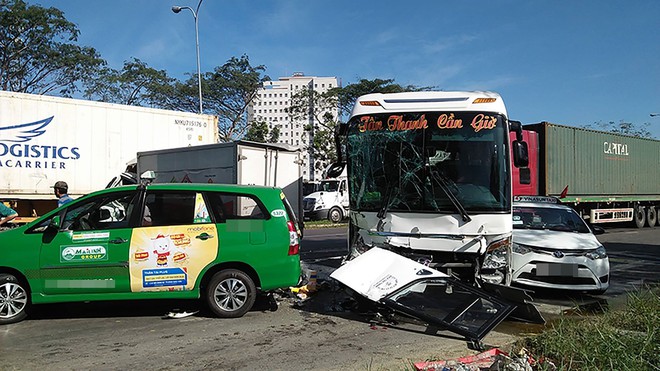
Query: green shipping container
597, 165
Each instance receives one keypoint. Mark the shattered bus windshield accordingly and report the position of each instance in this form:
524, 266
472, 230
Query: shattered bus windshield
410, 162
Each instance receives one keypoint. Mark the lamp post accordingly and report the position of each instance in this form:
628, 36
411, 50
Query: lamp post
177, 9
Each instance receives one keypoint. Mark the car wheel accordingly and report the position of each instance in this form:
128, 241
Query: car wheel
14, 299
335, 215
231, 293
652, 216
640, 217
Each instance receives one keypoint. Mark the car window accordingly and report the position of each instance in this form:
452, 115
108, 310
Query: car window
235, 206
548, 218
109, 211
164, 208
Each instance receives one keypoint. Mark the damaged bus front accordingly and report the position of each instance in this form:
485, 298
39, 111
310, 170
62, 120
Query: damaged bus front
430, 178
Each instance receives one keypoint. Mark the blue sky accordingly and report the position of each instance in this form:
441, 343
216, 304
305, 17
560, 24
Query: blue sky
567, 62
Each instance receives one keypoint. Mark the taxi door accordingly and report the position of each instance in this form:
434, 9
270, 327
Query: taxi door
88, 254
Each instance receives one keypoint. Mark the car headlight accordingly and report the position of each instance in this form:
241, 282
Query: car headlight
496, 254
599, 253
520, 249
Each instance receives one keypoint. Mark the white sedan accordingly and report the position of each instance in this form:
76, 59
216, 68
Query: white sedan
554, 248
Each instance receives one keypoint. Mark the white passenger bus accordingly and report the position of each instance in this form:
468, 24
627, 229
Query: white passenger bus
430, 178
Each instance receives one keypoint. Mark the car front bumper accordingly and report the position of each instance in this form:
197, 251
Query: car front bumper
316, 214
577, 273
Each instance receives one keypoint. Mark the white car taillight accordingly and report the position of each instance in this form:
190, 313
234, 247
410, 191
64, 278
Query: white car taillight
294, 242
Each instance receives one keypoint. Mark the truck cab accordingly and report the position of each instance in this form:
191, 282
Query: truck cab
330, 201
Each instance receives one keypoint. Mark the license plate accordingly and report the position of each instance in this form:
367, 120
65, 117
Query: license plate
556, 269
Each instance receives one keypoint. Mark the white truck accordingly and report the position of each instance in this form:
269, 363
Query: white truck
44, 139
330, 201
240, 162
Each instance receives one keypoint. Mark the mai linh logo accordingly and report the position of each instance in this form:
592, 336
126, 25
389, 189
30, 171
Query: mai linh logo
24, 132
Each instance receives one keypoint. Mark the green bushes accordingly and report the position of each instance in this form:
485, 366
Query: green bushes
623, 339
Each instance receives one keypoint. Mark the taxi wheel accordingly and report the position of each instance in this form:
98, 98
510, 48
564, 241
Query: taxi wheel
14, 299
230, 293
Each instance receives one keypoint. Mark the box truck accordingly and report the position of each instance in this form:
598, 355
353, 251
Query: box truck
44, 139
606, 177
240, 162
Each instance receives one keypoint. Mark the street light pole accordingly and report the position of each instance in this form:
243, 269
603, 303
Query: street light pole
177, 9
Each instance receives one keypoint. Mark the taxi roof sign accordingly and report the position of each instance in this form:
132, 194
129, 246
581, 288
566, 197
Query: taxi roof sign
543, 199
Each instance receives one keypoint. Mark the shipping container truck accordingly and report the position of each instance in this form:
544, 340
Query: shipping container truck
606, 177
240, 162
44, 139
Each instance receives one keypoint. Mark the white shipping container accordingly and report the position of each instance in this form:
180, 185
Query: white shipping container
45, 139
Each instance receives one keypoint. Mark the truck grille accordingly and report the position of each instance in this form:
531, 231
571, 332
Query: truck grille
308, 204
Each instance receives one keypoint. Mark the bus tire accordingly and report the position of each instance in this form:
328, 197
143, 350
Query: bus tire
640, 216
652, 216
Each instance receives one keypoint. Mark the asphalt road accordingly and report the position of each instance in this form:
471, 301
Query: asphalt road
320, 333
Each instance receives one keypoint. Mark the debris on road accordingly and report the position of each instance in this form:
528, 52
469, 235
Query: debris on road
176, 314
493, 359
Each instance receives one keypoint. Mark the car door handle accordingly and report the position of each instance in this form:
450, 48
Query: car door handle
204, 236
119, 240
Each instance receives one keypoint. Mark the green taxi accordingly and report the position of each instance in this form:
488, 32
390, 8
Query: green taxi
221, 243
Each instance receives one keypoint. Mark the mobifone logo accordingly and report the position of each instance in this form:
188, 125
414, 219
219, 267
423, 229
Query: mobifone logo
17, 151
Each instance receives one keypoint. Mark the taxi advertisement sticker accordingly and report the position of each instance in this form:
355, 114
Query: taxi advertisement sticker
170, 258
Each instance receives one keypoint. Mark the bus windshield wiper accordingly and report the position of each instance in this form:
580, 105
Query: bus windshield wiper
389, 192
444, 185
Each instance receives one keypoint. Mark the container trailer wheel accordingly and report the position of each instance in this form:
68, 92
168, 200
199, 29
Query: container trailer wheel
640, 216
652, 216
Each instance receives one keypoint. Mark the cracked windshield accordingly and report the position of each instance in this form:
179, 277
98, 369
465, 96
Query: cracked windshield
428, 162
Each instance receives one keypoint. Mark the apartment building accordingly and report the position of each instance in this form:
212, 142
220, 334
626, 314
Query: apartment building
272, 106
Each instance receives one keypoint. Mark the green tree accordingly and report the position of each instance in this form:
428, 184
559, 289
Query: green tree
257, 132
320, 111
136, 84
38, 53
228, 91
623, 127
324, 111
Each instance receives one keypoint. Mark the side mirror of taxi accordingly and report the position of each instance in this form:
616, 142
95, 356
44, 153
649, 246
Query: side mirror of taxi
55, 223
597, 229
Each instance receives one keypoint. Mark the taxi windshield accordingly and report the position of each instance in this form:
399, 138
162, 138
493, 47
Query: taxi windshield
555, 219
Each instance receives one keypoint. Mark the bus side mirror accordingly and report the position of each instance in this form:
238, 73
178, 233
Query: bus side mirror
520, 154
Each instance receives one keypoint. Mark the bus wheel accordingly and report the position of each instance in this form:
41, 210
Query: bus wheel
652, 216
640, 216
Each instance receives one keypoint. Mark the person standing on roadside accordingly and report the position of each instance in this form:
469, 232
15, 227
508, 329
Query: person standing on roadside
6, 214
61, 191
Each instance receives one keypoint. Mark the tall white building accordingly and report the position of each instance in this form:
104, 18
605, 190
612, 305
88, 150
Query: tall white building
272, 106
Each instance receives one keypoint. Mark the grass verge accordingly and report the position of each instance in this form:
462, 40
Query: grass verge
621, 339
